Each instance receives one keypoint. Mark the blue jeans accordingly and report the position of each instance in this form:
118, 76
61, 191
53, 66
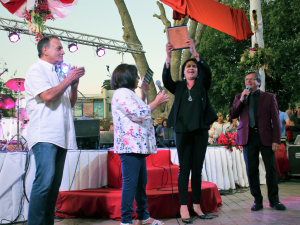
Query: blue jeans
134, 174
49, 161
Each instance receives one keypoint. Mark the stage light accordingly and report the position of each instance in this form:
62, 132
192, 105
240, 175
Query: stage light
73, 47
14, 37
100, 52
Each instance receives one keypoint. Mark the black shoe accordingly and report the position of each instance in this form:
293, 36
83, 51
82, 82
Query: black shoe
186, 221
277, 206
205, 217
256, 207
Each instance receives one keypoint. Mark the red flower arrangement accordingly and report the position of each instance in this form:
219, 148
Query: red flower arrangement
37, 17
228, 140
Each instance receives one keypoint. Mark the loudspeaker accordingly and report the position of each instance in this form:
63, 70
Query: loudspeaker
106, 139
294, 159
87, 133
168, 135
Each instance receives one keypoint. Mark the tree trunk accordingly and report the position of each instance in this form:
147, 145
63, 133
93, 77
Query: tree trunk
131, 36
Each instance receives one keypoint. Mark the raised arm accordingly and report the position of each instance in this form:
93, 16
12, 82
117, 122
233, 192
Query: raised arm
166, 75
237, 107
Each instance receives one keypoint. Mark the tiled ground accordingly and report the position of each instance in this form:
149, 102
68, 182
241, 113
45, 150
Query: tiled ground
236, 209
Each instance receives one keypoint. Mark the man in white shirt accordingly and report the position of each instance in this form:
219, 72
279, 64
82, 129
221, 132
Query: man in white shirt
49, 101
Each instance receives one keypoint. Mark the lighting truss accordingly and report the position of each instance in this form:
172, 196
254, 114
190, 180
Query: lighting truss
20, 27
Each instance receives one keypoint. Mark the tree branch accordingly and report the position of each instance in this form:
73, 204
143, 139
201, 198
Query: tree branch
162, 16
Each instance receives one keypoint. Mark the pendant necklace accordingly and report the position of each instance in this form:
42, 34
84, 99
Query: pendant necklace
190, 97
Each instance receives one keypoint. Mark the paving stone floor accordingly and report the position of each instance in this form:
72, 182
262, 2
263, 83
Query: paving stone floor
236, 209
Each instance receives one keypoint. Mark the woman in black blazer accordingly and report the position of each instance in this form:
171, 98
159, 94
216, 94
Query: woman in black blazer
190, 117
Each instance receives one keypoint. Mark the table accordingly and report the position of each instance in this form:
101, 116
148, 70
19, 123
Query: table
86, 168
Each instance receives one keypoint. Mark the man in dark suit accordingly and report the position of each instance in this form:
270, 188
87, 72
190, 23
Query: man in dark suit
258, 131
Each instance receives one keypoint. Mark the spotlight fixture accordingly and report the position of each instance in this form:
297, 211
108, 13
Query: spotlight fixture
73, 47
14, 37
100, 52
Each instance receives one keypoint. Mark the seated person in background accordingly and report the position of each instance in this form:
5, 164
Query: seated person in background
233, 126
226, 123
294, 126
159, 121
159, 132
216, 129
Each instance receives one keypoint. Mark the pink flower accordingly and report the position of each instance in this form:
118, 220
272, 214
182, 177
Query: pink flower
125, 141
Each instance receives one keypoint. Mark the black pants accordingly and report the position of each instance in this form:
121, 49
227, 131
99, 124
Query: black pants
191, 148
251, 156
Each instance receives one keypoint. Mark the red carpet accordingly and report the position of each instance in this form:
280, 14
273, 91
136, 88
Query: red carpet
106, 202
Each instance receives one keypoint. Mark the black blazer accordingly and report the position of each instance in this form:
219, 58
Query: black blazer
203, 83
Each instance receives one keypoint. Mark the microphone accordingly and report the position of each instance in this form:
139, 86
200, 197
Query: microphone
248, 88
158, 83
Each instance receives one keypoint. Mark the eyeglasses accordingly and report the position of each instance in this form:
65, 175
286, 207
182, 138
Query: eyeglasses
247, 79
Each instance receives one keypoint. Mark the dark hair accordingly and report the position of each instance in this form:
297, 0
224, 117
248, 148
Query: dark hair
184, 64
258, 76
44, 42
124, 76
164, 121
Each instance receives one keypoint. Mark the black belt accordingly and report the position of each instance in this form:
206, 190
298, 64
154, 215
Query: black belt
255, 129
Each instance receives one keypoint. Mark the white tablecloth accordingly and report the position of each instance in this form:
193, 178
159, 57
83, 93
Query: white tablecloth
91, 172
224, 168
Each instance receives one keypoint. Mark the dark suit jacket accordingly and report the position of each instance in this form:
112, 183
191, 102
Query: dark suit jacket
202, 83
267, 112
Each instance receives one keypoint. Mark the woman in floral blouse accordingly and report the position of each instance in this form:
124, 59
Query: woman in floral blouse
134, 139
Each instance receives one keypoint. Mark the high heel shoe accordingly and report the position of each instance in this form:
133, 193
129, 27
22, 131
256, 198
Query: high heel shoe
204, 216
186, 220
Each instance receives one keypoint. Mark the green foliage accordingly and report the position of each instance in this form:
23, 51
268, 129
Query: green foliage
281, 36
106, 84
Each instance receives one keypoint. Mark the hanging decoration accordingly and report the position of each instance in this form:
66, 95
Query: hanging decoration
256, 58
37, 12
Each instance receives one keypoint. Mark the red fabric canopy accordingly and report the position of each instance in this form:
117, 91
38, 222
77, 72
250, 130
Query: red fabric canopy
13, 5
213, 14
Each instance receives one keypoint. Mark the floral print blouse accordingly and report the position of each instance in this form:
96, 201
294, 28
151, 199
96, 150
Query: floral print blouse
133, 130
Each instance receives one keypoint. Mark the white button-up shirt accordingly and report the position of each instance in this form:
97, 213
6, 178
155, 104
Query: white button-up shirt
49, 122
133, 129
